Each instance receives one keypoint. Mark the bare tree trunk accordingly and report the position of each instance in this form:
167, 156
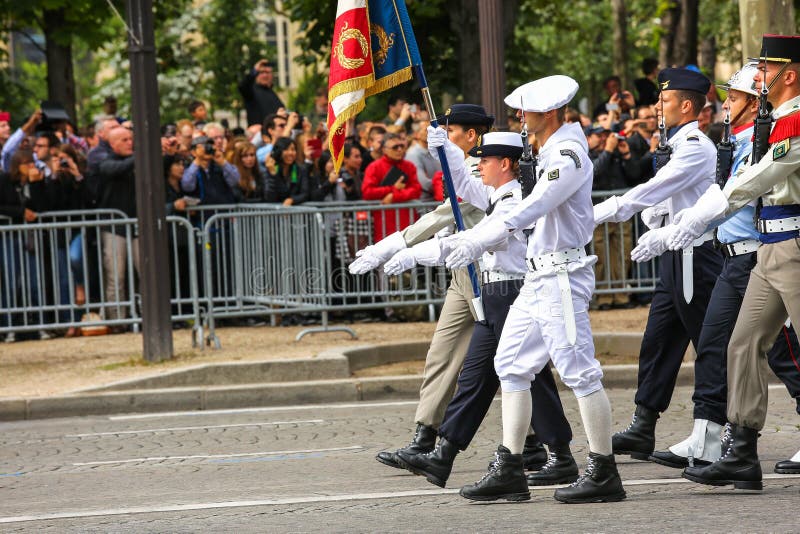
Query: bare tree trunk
60, 76
669, 26
686, 38
464, 22
708, 54
492, 69
757, 17
620, 46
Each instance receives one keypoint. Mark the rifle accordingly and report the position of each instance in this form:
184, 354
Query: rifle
527, 163
663, 151
763, 122
725, 152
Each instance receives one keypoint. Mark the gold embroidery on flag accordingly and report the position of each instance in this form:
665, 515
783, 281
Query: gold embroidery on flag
384, 43
349, 62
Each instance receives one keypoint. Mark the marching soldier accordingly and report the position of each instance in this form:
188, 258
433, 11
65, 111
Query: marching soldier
687, 276
738, 240
773, 291
498, 192
549, 320
466, 123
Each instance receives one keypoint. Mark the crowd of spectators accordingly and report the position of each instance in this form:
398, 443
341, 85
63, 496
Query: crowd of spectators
48, 166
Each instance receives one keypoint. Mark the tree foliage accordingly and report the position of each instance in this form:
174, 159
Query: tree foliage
233, 45
203, 47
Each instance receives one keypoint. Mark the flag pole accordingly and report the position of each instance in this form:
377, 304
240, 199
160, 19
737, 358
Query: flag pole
477, 304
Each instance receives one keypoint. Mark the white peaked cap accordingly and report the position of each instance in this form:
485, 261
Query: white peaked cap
544, 94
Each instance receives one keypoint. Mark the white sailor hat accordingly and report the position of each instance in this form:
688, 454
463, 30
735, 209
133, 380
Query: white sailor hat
742, 80
544, 94
503, 144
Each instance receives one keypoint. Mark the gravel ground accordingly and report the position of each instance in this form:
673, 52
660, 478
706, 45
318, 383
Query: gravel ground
44, 368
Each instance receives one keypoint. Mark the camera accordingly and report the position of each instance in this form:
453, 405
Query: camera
208, 147
349, 181
170, 130
64, 163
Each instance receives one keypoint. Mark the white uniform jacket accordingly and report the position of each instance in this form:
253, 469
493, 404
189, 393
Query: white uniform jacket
689, 172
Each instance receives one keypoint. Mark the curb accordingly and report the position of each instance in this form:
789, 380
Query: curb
326, 378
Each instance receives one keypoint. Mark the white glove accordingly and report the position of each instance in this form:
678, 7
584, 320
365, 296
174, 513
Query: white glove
436, 137
464, 254
432, 251
653, 217
370, 257
606, 210
365, 262
491, 233
402, 261
651, 244
692, 222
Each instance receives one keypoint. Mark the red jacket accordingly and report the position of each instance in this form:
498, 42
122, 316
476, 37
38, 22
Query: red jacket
387, 222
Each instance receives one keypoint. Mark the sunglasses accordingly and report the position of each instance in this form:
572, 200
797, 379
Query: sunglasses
396, 147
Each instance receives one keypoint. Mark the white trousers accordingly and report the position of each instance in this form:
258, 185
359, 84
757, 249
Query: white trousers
535, 333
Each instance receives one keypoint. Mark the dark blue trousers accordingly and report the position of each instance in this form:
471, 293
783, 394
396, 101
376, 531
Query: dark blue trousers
673, 323
478, 382
710, 371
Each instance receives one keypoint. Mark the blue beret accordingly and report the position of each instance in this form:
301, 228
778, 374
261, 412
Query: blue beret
466, 115
683, 80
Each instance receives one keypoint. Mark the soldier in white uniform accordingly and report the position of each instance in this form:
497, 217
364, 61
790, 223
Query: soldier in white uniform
465, 123
502, 274
687, 277
549, 320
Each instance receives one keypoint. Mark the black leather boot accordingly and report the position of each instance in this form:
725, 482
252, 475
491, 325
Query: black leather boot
559, 469
435, 466
504, 480
424, 440
534, 455
738, 465
599, 483
639, 439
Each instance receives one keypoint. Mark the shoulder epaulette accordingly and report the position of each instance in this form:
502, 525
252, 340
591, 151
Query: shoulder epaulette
785, 128
573, 155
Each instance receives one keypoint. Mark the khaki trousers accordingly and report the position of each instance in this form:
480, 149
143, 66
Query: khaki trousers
773, 292
447, 351
115, 265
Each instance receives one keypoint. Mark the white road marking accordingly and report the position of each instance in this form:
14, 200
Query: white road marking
264, 409
147, 430
302, 500
206, 456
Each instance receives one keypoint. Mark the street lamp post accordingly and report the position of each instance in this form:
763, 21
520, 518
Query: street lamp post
151, 214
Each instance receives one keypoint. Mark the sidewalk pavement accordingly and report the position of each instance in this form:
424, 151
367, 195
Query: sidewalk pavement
326, 378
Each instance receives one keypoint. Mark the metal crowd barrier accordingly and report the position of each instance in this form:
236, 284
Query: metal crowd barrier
612, 244
44, 263
244, 260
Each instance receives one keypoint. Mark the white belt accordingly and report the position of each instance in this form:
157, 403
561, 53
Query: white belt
747, 246
772, 226
558, 262
488, 277
688, 265
552, 259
